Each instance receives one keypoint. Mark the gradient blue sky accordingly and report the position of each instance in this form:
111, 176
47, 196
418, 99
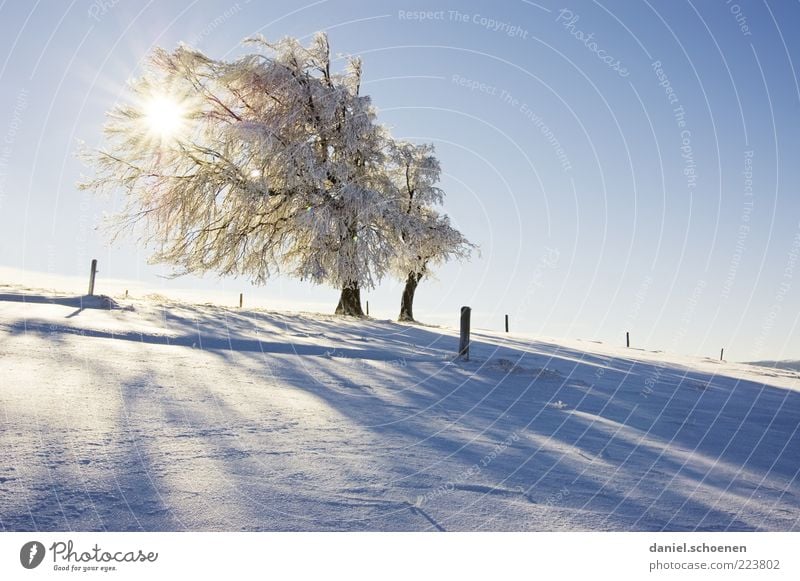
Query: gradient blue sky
606, 235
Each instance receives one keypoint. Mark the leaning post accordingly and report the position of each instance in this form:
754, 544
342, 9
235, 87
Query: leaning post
92, 276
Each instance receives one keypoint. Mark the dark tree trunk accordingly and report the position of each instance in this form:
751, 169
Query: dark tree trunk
407, 302
350, 302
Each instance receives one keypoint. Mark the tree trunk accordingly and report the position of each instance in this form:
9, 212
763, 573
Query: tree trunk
407, 302
350, 302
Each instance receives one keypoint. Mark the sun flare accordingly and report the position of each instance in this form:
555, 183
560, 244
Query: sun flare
164, 116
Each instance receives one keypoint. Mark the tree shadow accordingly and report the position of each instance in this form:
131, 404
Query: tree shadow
83, 477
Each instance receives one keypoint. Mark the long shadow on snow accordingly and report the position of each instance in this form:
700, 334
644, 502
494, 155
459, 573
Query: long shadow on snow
94, 481
540, 471
254, 476
199, 341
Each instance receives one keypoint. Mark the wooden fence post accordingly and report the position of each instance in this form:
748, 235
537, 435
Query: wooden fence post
92, 276
241, 300
506, 323
463, 346
627, 338
368, 308
721, 351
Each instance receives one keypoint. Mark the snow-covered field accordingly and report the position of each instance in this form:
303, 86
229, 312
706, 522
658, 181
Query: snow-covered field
158, 415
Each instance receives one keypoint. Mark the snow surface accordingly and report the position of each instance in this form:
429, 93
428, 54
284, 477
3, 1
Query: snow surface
150, 414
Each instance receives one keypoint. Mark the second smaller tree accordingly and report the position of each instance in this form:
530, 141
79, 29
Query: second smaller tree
425, 237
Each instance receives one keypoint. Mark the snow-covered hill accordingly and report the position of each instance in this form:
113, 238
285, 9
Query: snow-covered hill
158, 415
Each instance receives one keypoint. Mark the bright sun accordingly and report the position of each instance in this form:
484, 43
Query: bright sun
164, 116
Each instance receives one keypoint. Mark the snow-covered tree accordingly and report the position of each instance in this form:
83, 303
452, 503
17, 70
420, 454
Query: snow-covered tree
269, 163
426, 237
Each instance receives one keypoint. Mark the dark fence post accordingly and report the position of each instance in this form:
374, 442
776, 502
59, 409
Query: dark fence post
506, 323
92, 276
368, 308
627, 338
241, 300
721, 351
463, 346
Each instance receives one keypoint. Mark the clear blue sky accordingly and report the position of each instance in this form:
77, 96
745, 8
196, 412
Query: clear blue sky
601, 202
